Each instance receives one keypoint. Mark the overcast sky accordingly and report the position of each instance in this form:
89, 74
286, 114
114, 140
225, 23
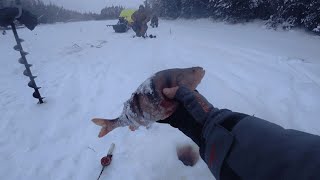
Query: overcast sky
94, 5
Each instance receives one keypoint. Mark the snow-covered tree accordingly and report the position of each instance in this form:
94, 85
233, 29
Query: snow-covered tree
171, 8
194, 9
312, 19
279, 13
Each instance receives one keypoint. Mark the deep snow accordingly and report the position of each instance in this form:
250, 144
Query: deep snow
86, 71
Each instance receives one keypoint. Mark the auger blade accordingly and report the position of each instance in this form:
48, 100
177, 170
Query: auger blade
28, 65
17, 47
36, 95
26, 73
32, 85
22, 61
24, 53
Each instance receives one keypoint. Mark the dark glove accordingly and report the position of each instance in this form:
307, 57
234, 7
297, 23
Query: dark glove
183, 120
195, 103
191, 114
8, 15
28, 19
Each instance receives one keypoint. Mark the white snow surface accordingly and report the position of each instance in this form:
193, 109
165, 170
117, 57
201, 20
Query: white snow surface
86, 71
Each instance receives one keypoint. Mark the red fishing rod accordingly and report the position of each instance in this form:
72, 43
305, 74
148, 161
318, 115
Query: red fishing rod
106, 160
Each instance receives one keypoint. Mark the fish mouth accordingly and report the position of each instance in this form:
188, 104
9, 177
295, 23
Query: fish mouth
200, 72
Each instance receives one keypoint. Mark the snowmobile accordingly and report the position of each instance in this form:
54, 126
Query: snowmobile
122, 26
125, 21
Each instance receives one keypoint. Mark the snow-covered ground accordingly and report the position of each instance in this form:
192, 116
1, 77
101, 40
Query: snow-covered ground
86, 70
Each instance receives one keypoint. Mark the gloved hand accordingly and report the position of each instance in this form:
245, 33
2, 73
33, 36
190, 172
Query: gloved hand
191, 114
28, 19
8, 15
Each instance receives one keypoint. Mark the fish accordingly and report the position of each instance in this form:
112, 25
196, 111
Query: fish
148, 104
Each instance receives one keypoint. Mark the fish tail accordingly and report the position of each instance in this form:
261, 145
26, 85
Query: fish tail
107, 125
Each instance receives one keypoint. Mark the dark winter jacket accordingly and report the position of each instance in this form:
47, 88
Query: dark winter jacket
238, 146
140, 16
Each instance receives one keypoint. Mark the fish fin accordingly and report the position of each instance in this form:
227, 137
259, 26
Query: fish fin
103, 132
107, 125
99, 122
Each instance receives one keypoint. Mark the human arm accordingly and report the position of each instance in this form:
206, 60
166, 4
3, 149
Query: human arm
239, 146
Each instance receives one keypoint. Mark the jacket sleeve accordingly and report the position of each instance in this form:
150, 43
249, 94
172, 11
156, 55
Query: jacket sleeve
252, 148
239, 146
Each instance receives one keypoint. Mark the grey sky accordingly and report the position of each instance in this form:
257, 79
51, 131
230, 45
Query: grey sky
94, 5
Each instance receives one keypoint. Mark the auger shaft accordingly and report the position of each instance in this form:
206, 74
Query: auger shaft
23, 60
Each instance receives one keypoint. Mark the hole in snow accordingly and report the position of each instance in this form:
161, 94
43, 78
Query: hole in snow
188, 155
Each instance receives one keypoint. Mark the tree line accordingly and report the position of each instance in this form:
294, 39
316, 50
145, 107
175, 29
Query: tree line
284, 14
51, 13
